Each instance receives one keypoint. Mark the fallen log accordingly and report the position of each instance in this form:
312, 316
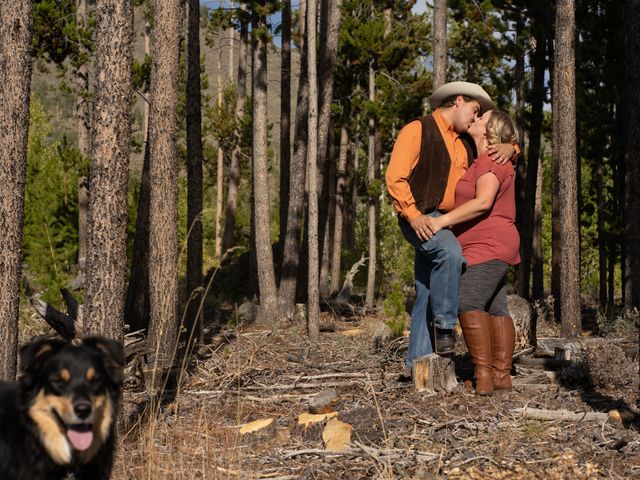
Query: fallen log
62, 323
563, 415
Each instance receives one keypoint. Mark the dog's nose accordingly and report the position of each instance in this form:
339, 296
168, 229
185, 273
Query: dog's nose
82, 409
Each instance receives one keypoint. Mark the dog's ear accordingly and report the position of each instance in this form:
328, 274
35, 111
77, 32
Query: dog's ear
33, 354
112, 354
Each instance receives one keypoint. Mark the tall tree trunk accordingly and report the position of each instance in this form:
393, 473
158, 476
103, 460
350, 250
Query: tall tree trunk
537, 94
16, 29
521, 166
83, 121
83, 124
602, 249
372, 201
137, 305
261, 205
330, 19
220, 161
147, 53
292, 241
439, 43
234, 164
163, 232
313, 308
285, 121
193, 317
537, 261
330, 199
565, 168
631, 163
104, 292
341, 185
355, 185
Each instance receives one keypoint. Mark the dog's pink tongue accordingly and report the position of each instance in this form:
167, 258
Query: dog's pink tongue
80, 440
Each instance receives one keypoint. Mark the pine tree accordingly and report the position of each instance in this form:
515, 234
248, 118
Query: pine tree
109, 172
15, 82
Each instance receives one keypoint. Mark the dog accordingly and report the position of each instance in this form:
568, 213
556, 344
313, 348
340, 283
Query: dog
58, 420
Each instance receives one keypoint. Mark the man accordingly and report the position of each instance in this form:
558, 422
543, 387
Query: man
429, 157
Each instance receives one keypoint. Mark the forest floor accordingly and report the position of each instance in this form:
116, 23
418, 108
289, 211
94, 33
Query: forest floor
255, 373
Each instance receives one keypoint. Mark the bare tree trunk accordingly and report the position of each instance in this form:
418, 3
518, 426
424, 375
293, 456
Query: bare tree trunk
355, 185
234, 165
330, 19
341, 185
193, 317
285, 121
16, 29
83, 124
83, 208
325, 258
163, 232
602, 249
147, 52
521, 166
527, 224
313, 308
137, 304
220, 161
83, 121
291, 252
565, 165
439, 43
104, 292
631, 205
372, 211
264, 253
537, 262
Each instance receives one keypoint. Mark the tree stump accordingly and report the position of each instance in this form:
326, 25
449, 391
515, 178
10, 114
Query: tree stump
434, 374
523, 321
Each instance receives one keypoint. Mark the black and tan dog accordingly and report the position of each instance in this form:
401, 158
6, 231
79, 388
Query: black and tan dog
59, 417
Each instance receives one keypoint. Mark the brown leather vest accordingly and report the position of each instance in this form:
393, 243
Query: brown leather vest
428, 180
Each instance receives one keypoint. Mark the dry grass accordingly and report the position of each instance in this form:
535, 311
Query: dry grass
397, 433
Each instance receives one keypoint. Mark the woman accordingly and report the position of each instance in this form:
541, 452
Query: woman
483, 221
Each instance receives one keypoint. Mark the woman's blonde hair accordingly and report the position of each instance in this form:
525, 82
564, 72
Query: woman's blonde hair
501, 128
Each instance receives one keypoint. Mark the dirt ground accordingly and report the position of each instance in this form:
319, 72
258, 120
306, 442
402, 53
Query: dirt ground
269, 374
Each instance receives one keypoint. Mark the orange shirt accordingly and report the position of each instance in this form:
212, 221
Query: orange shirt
405, 156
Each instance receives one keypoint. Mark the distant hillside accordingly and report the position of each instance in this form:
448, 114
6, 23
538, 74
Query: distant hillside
59, 105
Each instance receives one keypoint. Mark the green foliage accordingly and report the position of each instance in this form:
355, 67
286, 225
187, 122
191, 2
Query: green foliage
50, 236
396, 316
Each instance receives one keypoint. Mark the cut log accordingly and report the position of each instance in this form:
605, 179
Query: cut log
562, 353
434, 374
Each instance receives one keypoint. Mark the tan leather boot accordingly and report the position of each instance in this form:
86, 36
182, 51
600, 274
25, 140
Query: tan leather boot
504, 340
476, 328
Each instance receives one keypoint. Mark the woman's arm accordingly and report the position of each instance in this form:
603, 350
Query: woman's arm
486, 190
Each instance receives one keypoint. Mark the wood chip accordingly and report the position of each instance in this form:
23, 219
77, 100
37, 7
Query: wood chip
352, 332
307, 419
336, 435
255, 425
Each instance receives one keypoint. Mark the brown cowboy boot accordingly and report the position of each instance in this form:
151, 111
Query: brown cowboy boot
504, 340
476, 328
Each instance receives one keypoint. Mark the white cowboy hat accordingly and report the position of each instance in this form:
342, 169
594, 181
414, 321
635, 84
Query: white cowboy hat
462, 88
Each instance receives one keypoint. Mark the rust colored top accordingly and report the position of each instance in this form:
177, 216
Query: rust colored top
492, 235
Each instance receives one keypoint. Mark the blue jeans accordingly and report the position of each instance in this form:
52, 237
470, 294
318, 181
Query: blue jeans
438, 264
